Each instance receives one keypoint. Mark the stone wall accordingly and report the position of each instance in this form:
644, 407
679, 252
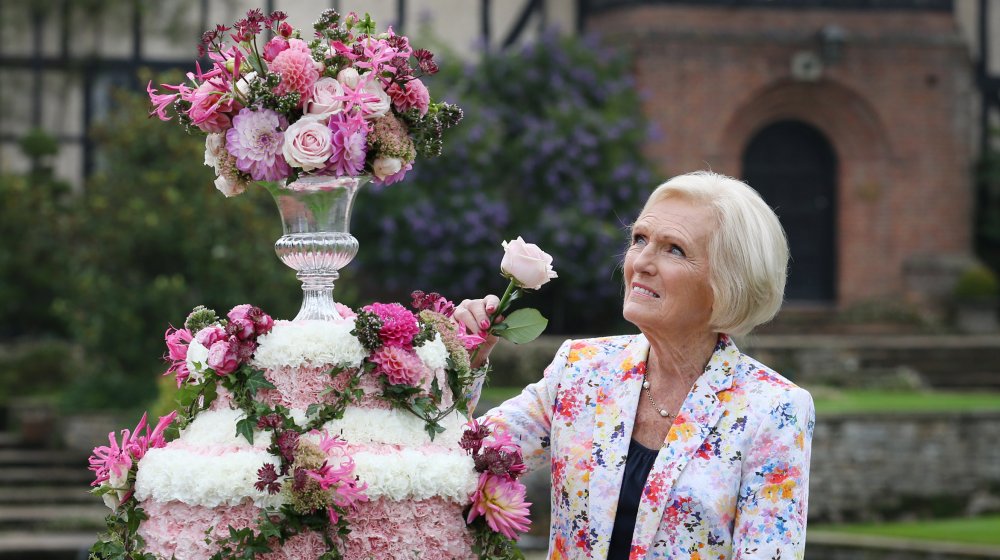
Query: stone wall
890, 466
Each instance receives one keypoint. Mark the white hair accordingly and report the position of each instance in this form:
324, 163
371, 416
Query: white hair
748, 252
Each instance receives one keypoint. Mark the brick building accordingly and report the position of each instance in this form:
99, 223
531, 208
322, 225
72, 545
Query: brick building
857, 123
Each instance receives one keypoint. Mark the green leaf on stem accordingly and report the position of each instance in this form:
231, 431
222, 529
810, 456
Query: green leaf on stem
245, 428
523, 325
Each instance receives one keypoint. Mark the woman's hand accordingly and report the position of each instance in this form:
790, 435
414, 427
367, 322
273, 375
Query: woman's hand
474, 316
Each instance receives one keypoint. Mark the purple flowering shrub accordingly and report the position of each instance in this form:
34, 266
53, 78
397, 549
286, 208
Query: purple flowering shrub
550, 149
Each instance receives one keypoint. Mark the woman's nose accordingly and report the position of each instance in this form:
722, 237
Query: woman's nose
644, 261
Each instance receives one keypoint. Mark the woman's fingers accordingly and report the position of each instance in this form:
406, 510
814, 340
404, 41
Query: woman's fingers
475, 313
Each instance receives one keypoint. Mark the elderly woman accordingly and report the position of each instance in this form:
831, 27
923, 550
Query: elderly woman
672, 443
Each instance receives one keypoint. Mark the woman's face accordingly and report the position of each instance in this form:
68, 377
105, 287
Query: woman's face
667, 288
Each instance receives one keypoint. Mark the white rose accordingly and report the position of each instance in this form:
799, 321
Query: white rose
525, 263
308, 144
227, 187
243, 84
385, 166
349, 77
323, 101
379, 107
197, 358
215, 143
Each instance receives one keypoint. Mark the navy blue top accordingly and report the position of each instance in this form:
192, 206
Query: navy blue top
638, 463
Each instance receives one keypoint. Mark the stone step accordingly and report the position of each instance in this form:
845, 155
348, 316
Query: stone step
76, 494
9, 439
75, 517
22, 545
12, 457
46, 476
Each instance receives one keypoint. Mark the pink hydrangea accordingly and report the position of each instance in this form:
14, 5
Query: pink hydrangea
411, 95
399, 325
297, 69
350, 143
399, 365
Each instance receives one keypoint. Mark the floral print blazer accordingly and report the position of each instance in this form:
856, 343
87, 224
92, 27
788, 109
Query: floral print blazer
731, 480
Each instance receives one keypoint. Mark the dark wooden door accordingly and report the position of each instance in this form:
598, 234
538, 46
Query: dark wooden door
793, 166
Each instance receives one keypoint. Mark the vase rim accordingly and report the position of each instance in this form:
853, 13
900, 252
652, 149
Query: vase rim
308, 183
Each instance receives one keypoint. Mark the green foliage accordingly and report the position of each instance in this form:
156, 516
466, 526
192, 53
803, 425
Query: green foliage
37, 368
977, 282
35, 225
151, 237
550, 148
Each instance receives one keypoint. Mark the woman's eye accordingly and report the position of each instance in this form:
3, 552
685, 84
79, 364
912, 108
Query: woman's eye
677, 250
638, 239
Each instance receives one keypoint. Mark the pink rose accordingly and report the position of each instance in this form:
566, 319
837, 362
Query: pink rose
349, 77
411, 95
274, 47
206, 112
228, 187
223, 356
378, 104
308, 144
324, 100
240, 321
527, 265
210, 335
383, 167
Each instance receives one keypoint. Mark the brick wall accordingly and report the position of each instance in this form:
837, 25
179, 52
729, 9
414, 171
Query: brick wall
897, 109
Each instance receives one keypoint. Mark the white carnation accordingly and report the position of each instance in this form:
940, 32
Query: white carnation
391, 426
309, 343
217, 428
197, 479
411, 474
433, 354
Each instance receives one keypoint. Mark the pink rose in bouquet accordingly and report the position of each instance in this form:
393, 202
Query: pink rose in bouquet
223, 356
308, 144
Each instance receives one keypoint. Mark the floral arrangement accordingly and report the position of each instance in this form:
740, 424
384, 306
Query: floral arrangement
418, 360
347, 102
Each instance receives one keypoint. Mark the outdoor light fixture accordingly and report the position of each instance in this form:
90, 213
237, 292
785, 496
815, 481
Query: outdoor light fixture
831, 43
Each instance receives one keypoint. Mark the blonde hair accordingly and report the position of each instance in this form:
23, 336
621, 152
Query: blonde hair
748, 253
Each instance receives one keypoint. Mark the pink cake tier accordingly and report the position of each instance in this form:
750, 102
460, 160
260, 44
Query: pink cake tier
203, 482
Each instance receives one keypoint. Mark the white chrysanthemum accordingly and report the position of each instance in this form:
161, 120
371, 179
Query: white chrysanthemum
433, 354
410, 474
392, 426
309, 343
167, 474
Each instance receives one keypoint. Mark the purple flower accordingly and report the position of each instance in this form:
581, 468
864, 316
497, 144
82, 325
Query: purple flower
350, 137
255, 141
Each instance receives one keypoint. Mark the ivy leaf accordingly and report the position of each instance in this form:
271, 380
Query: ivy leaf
523, 325
245, 428
257, 381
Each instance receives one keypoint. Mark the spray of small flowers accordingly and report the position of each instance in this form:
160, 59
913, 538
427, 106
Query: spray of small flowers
346, 102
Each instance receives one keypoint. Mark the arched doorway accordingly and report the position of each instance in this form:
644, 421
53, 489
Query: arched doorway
793, 166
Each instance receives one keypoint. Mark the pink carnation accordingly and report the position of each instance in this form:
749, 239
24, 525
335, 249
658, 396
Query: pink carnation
400, 366
399, 325
411, 95
297, 70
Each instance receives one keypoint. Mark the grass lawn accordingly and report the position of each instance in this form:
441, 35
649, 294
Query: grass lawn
980, 530
834, 401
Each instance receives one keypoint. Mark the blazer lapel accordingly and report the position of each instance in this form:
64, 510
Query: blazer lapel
700, 412
617, 397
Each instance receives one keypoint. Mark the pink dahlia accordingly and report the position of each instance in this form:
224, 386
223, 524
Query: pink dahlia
501, 501
400, 366
411, 95
350, 143
297, 70
399, 325
255, 140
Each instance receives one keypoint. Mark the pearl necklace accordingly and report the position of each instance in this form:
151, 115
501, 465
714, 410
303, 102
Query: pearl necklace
649, 395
